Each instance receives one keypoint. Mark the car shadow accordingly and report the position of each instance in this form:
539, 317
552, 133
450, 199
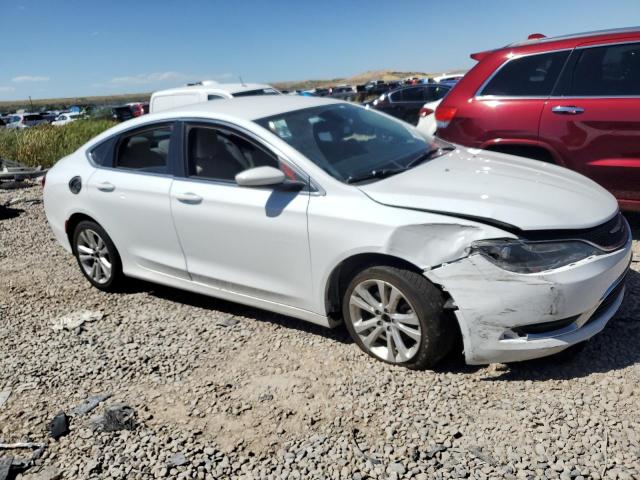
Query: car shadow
615, 348
7, 212
239, 310
634, 222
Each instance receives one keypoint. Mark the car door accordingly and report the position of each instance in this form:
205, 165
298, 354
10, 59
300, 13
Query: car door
129, 197
248, 240
593, 121
507, 107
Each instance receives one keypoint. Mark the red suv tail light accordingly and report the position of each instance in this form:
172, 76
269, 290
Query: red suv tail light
425, 111
444, 115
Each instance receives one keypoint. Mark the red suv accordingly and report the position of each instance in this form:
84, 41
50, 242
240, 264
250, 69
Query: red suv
572, 100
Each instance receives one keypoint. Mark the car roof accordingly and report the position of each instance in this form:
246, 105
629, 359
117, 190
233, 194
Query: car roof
246, 108
595, 33
210, 87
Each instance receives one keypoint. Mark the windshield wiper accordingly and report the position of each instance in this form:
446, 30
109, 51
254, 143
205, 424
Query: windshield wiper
382, 173
428, 155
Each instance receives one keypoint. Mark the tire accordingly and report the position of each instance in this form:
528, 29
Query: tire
93, 248
425, 331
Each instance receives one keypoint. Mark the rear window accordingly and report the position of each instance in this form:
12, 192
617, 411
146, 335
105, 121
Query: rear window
530, 76
607, 71
32, 118
261, 91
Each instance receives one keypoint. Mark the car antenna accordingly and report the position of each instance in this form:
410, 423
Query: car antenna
241, 81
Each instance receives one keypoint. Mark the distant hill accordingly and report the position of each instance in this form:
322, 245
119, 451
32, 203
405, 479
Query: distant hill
54, 103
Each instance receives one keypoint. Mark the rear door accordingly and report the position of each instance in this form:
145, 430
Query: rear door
594, 121
129, 197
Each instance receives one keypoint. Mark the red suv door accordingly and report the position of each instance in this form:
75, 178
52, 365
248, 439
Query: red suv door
593, 119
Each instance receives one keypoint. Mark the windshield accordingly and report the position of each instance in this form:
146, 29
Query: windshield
351, 142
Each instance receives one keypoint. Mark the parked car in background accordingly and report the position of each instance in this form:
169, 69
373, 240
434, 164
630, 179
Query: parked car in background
204, 91
376, 87
447, 77
237, 199
571, 100
343, 92
65, 118
426, 116
138, 108
405, 103
25, 120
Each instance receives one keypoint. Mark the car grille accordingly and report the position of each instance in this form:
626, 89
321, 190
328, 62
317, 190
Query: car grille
609, 236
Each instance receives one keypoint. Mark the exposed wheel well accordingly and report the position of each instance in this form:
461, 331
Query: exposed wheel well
74, 220
528, 151
350, 267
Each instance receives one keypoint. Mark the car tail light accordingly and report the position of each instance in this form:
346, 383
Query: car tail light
425, 111
444, 115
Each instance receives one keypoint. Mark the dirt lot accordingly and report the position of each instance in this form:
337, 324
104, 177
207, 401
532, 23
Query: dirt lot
274, 397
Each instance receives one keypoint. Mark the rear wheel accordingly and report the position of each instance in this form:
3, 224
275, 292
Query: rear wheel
97, 256
397, 316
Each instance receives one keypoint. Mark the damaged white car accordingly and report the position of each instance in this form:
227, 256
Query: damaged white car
326, 211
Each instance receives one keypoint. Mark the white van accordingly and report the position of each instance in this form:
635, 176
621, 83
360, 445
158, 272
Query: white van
205, 91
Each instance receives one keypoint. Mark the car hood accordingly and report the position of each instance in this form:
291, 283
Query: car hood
526, 194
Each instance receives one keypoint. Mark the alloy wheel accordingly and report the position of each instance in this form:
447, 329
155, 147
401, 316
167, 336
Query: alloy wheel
94, 256
385, 321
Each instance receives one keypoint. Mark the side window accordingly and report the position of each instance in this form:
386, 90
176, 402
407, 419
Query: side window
435, 93
145, 150
219, 155
211, 96
607, 71
102, 154
412, 94
530, 76
396, 96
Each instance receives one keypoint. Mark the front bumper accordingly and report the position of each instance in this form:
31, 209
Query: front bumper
509, 317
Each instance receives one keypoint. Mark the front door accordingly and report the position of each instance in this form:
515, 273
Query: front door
249, 240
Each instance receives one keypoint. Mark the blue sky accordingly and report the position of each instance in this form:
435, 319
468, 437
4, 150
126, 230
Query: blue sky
86, 47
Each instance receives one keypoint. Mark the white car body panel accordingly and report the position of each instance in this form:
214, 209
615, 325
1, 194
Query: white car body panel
277, 250
182, 96
427, 124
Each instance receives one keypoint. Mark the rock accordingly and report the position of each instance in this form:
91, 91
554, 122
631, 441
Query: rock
177, 460
89, 404
396, 467
75, 320
228, 321
4, 396
59, 426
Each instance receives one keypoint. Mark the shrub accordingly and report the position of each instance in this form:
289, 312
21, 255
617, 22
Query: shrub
45, 144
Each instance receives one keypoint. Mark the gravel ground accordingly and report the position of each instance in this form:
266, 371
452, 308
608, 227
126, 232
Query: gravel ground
274, 397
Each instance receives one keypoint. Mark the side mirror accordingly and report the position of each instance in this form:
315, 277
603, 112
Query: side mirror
260, 177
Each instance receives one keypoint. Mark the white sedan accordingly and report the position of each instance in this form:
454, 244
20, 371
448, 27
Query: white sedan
65, 118
427, 118
326, 211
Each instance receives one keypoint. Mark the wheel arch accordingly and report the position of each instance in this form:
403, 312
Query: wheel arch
524, 148
72, 222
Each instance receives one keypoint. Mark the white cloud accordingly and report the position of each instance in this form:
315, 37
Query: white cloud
148, 78
6, 89
29, 78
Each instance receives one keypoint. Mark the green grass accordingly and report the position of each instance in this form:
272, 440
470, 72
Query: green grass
45, 144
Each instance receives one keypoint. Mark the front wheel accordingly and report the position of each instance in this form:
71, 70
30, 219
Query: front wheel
398, 316
97, 256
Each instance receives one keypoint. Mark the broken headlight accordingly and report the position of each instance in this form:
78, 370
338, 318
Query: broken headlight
531, 257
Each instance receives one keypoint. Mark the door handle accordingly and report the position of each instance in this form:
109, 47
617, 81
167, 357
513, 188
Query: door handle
567, 110
106, 187
189, 197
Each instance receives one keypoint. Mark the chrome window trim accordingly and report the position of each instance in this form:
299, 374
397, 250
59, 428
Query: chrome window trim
518, 57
